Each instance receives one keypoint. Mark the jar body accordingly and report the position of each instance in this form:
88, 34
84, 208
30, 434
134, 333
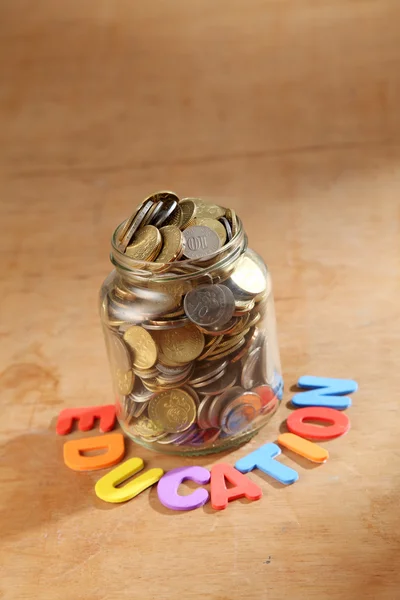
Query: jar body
189, 380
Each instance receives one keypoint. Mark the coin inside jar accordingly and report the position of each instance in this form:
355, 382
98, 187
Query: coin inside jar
209, 305
240, 411
247, 280
214, 225
172, 240
172, 411
200, 241
181, 345
143, 346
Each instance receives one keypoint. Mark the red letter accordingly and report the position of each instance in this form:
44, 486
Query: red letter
339, 423
86, 417
220, 495
113, 443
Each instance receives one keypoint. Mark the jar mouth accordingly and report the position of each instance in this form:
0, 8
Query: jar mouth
179, 270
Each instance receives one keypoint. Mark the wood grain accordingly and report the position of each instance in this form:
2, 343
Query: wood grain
288, 109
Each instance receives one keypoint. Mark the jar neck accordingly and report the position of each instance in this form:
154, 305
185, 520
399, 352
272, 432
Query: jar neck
215, 267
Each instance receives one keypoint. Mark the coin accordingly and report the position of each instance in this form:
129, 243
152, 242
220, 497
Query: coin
217, 405
124, 380
214, 225
167, 210
152, 213
145, 426
209, 211
269, 399
205, 371
227, 226
209, 381
209, 305
181, 345
220, 385
162, 196
134, 223
209, 349
146, 244
241, 409
139, 393
143, 346
247, 280
173, 410
251, 370
200, 241
189, 210
166, 323
175, 218
172, 240
231, 216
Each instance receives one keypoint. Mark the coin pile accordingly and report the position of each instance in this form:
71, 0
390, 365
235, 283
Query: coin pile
189, 346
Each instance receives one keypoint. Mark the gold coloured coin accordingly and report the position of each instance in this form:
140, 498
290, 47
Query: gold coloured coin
163, 195
209, 211
146, 244
145, 427
181, 345
228, 351
214, 225
143, 346
124, 380
172, 411
176, 218
231, 216
188, 208
172, 240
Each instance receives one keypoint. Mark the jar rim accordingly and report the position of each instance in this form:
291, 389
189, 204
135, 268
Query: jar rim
156, 271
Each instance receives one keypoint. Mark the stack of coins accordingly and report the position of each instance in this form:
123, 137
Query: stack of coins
186, 329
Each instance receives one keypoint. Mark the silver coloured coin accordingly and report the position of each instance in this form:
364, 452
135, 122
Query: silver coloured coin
151, 215
168, 208
208, 382
200, 241
136, 223
206, 370
139, 392
222, 384
240, 412
209, 305
251, 376
218, 404
160, 325
202, 412
227, 226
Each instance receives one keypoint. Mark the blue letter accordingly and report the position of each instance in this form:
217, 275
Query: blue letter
327, 395
263, 459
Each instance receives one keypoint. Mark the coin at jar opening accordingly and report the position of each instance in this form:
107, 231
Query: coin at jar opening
143, 346
173, 410
251, 376
175, 218
172, 244
153, 212
162, 196
180, 345
209, 305
202, 412
218, 386
133, 224
247, 280
200, 242
240, 411
231, 216
206, 371
224, 221
189, 211
167, 210
214, 225
269, 399
208, 211
217, 405
146, 244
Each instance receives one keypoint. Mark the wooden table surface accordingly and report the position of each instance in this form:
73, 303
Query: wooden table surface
287, 110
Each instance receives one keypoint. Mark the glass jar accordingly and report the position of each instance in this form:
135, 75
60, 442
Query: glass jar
193, 351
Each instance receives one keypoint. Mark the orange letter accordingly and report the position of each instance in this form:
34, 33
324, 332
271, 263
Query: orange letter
75, 460
220, 495
303, 447
86, 417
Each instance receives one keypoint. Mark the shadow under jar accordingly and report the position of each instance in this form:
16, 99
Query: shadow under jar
189, 324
